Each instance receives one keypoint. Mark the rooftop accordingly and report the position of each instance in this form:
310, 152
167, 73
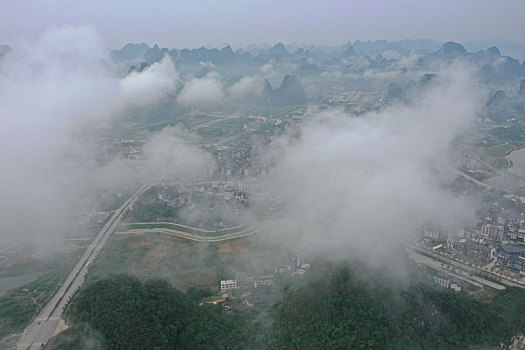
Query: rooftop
510, 249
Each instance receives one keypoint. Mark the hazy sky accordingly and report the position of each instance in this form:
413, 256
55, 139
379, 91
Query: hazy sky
193, 23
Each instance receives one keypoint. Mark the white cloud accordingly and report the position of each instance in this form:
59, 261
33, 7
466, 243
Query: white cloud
170, 155
247, 86
151, 84
53, 93
361, 185
207, 90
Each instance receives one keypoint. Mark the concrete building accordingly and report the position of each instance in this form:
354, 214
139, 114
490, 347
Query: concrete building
476, 250
431, 234
243, 279
510, 257
228, 285
493, 232
442, 280
455, 287
263, 281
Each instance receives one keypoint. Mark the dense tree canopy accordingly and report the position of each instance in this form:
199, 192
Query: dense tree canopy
339, 310
153, 315
333, 308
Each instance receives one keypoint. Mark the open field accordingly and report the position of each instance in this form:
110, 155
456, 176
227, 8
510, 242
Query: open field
500, 150
215, 133
149, 255
496, 162
185, 264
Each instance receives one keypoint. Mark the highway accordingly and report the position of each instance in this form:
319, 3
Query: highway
458, 274
49, 321
464, 268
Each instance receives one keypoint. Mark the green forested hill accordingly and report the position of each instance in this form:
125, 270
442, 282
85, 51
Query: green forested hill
153, 315
338, 310
336, 307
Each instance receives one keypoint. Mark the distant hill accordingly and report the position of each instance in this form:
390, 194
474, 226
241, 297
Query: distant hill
349, 52
421, 46
278, 51
516, 50
501, 106
141, 52
493, 66
215, 56
290, 92
452, 49
407, 92
140, 68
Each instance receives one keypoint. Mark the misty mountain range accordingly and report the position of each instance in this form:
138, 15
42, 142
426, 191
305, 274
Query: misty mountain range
307, 72
313, 60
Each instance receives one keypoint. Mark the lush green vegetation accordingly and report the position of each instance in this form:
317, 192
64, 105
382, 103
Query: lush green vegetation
496, 162
341, 310
152, 315
335, 307
515, 132
197, 294
79, 337
500, 150
146, 211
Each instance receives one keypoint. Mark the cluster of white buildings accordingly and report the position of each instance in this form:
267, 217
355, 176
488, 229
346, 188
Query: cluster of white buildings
245, 280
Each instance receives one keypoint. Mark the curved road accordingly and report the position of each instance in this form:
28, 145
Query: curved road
194, 237
49, 320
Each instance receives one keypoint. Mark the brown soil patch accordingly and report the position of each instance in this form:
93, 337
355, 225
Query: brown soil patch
225, 247
154, 261
138, 244
237, 246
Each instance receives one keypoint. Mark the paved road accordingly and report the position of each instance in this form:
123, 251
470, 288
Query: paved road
460, 274
465, 267
49, 320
